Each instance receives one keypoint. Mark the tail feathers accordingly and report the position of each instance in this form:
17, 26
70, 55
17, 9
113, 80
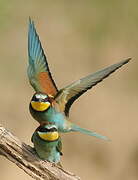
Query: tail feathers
90, 133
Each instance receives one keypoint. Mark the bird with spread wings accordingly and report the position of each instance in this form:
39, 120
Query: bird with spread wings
49, 105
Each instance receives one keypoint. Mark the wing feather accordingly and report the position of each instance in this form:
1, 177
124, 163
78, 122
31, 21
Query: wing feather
70, 93
38, 71
59, 146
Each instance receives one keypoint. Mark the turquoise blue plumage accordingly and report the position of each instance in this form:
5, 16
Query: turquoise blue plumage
49, 105
47, 143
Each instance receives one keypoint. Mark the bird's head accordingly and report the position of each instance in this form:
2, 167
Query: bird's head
48, 132
40, 102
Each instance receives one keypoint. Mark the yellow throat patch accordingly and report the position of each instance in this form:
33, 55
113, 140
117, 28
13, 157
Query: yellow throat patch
49, 136
40, 106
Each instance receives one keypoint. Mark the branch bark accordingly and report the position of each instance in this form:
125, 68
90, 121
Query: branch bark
25, 158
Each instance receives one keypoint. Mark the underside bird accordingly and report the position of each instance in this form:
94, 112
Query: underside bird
50, 105
47, 143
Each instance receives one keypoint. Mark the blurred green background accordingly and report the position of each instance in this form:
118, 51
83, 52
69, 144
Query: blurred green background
79, 37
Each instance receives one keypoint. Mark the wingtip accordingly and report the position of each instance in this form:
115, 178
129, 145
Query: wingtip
31, 22
127, 60
29, 18
123, 62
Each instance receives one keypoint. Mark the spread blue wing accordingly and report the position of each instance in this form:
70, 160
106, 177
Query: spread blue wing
38, 71
69, 94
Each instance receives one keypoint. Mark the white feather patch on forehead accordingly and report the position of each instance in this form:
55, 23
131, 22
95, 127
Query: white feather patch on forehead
41, 96
50, 126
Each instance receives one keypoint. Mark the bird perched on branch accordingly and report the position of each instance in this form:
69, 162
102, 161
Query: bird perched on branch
47, 143
50, 105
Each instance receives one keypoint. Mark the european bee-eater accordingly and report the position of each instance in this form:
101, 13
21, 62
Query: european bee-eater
47, 143
50, 105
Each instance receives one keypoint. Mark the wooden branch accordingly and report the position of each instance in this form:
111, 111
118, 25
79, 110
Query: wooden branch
24, 157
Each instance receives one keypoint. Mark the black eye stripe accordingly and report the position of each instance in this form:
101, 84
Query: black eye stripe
40, 99
43, 129
45, 100
34, 98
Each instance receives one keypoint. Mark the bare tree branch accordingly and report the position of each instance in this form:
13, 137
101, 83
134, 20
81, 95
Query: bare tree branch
24, 157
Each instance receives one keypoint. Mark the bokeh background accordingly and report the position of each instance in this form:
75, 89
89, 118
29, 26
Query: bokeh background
79, 37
